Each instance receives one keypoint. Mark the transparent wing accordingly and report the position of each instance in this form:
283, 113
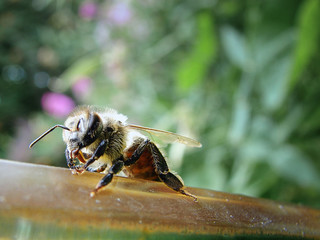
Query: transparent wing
166, 136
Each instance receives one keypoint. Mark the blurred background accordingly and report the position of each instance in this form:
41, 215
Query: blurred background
242, 77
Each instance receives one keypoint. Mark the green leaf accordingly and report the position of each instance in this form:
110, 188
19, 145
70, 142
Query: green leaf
309, 36
240, 120
235, 47
272, 48
295, 166
193, 68
273, 83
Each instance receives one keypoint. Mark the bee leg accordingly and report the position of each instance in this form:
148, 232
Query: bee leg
137, 153
71, 162
114, 169
171, 180
95, 156
78, 168
98, 169
83, 158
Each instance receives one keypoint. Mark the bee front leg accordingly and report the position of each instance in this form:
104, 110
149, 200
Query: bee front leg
70, 162
75, 169
83, 158
95, 156
114, 169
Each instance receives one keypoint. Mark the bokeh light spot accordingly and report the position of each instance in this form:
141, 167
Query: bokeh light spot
57, 104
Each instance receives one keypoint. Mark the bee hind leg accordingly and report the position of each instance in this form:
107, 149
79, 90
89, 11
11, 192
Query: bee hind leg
171, 180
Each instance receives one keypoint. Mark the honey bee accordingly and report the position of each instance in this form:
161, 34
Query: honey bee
102, 141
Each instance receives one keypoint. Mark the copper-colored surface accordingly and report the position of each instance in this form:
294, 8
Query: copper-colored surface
51, 195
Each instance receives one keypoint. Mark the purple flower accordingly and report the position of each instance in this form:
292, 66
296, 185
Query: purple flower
57, 104
82, 87
88, 10
119, 14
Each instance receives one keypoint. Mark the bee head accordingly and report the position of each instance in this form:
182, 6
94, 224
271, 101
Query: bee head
85, 128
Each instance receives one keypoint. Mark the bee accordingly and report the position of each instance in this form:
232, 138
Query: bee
102, 141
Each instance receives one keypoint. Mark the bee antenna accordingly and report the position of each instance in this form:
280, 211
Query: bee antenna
47, 132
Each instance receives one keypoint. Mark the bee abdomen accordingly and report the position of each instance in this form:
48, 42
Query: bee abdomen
143, 168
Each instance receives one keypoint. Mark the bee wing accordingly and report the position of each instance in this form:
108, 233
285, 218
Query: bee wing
167, 136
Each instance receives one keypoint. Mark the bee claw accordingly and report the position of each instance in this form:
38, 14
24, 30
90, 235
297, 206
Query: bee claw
184, 192
80, 171
77, 170
93, 194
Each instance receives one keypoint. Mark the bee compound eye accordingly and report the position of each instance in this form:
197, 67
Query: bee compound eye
80, 125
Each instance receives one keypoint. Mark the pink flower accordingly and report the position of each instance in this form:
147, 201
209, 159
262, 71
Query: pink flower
88, 10
57, 104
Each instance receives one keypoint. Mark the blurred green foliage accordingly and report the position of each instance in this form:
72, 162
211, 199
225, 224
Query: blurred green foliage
242, 77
